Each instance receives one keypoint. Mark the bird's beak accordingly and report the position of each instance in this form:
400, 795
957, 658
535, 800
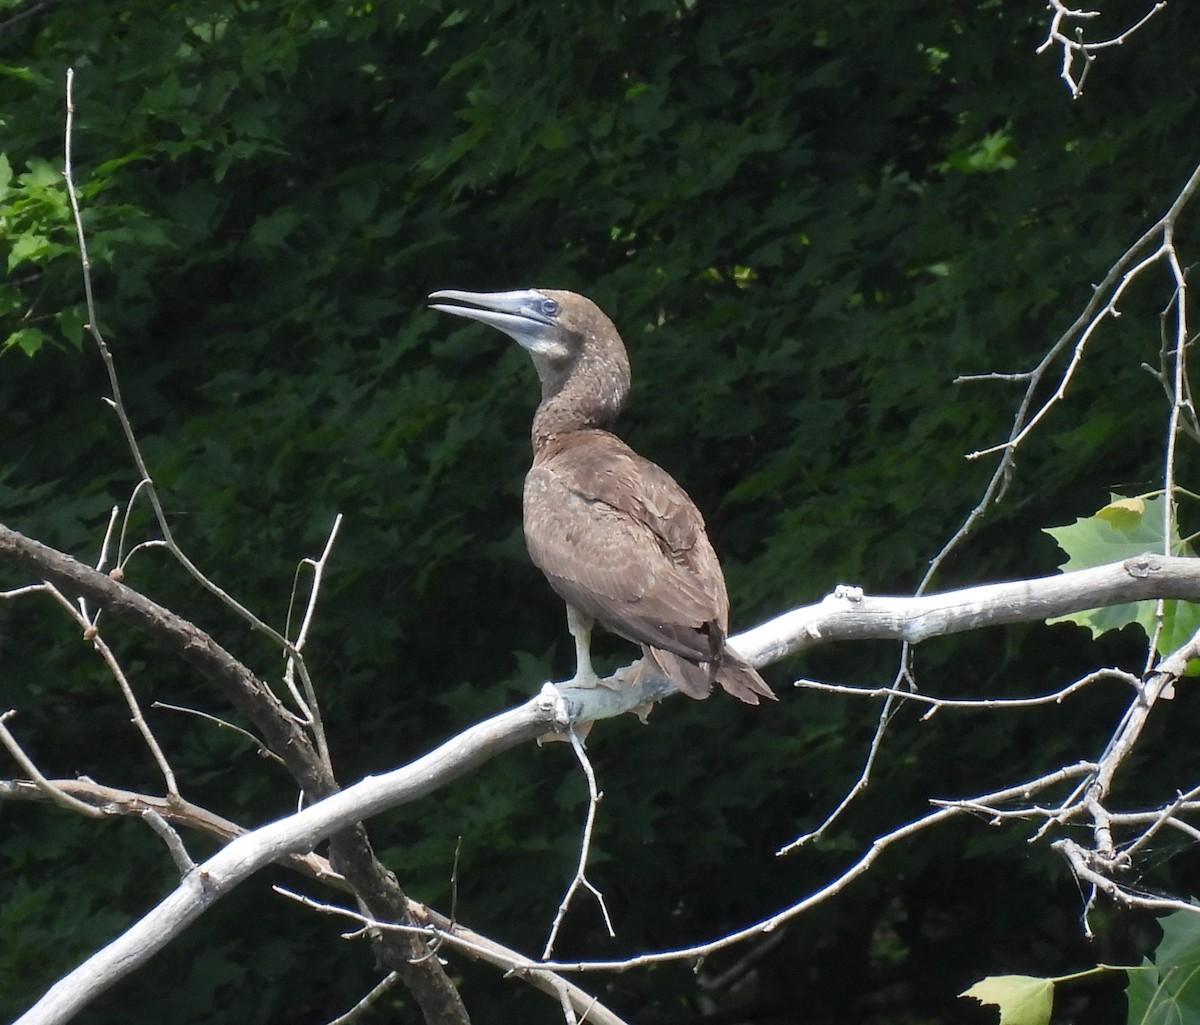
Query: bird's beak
517, 314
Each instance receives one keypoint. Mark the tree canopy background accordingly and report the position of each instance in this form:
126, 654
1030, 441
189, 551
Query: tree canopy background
807, 219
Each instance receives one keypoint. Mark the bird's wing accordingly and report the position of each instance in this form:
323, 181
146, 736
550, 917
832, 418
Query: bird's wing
620, 541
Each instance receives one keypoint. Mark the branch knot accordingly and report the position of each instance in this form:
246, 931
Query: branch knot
1142, 566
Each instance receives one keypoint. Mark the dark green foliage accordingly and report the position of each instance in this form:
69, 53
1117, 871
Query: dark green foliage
806, 218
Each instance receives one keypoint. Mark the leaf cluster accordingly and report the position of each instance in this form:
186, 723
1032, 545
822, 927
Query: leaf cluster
1161, 990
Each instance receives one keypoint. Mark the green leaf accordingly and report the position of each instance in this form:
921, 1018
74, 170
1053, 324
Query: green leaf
71, 323
1140, 991
1122, 529
986, 155
1022, 999
29, 247
42, 174
272, 229
1180, 944
23, 74
1166, 991
28, 340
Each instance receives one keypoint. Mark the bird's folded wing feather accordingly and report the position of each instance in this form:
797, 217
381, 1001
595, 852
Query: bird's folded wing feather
621, 541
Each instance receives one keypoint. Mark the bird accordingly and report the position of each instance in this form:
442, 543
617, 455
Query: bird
616, 537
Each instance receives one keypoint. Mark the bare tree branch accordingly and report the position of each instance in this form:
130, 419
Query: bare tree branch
483, 949
1103, 305
242, 688
848, 614
297, 834
843, 615
1078, 47
308, 762
29, 12
114, 801
118, 405
260, 747
1020, 791
279, 728
90, 633
935, 703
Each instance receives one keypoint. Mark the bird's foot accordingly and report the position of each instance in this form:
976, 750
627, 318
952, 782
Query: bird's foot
586, 679
628, 677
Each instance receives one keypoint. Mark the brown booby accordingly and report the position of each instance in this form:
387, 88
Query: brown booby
618, 539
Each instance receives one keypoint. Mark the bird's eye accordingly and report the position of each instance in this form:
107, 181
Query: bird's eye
549, 308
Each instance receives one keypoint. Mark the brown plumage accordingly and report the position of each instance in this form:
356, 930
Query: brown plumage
618, 539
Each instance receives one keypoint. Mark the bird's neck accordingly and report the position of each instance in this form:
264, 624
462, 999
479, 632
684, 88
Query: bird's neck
587, 399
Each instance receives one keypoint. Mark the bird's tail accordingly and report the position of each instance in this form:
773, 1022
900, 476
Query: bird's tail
741, 679
732, 672
693, 680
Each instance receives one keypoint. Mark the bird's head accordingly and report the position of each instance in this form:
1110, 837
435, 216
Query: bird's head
566, 334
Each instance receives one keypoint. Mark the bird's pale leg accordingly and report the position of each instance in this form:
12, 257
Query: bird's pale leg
581, 629
585, 676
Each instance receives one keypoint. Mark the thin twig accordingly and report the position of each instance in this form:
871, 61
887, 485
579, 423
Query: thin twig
115, 801
114, 667
263, 750
766, 926
162, 827
136, 717
43, 784
437, 928
1079, 858
860, 784
108, 533
1101, 306
745, 964
29, 12
118, 405
1166, 816
580, 879
1054, 698
142, 484
1078, 47
309, 701
24, 589
454, 880
359, 1009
